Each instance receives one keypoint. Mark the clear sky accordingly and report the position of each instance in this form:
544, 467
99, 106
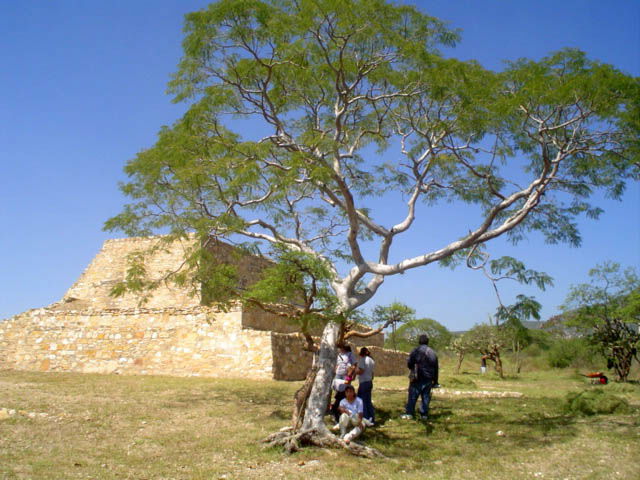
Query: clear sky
83, 84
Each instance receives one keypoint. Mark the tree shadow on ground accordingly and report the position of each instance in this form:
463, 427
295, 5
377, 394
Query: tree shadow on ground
471, 425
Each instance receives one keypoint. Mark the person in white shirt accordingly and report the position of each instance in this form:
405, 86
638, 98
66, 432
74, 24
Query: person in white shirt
366, 366
344, 370
351, 408
345, 360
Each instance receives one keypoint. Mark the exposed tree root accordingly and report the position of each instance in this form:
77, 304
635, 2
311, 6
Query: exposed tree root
293, 441
301, 397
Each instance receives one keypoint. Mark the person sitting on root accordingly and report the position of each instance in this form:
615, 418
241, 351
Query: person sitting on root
338, 385
351, 409
345, 368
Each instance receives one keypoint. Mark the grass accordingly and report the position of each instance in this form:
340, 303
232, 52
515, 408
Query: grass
119, 427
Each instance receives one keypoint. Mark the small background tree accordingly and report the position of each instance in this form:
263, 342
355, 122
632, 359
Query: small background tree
607, 310
405, 338
391, 316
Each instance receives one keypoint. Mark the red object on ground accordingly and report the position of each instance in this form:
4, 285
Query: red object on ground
598, 377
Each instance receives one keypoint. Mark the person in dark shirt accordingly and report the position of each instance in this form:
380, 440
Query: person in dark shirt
423, 361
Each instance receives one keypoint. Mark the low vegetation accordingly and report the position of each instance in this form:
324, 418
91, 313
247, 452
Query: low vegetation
59, 426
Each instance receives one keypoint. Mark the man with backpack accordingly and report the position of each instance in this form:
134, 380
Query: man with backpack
423, 363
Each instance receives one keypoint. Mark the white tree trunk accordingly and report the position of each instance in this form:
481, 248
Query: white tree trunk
321, 391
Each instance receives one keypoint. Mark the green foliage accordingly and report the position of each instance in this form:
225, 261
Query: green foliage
522, 309
595, 401
296, 278
608, 310
406, 336
295, 109
219, 280
509, 267
572, 352
393, 314
540, 338
486, 338
611, 293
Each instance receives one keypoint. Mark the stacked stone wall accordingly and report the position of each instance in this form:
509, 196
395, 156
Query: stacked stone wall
248, 267
290, 360
389, 362
181, 342
257, 319
196, 341
92, 290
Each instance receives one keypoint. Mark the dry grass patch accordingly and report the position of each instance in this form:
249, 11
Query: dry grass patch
105, 427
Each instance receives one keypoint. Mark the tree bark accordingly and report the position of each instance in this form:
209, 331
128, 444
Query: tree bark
498, 361
460, 358
321, 389
317, 389
301, 397
518, 359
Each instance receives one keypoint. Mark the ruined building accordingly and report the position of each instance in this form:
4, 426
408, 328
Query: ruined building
172, 334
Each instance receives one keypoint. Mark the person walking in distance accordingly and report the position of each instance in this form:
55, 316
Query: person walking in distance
423, 363
365, 385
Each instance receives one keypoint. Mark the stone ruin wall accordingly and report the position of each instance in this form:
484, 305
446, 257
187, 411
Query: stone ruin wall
183, 342
291, 362
171, 334
92, 290
261, 320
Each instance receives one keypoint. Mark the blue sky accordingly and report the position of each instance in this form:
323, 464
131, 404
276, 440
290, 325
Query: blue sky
83, 90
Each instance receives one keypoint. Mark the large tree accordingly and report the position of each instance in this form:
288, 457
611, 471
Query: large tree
304, 112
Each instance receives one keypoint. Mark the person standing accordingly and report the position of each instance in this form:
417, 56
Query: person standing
424, 362
344, 361
365, 369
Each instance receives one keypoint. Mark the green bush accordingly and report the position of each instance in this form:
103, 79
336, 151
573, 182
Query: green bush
595, 401
540, 339
573, 352
533, 350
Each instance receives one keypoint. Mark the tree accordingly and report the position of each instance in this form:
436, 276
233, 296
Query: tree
608, 310
392, 315
489, 341
512, 317
406, 336
303, 112
520, 338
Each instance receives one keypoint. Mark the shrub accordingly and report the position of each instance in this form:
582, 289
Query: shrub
573, 352
533, 350
595, 401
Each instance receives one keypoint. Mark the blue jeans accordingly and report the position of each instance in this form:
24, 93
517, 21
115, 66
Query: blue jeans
421, 387
364, 392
